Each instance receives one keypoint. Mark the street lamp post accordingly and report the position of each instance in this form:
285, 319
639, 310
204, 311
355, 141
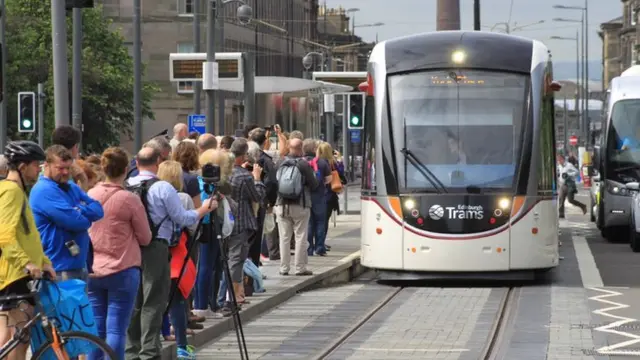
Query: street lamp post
353, 18
196, 49
577, 106
585, 70
585, 83
307, 63
244, 14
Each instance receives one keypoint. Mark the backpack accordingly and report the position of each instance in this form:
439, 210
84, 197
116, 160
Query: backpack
141, 190
290, 184
269, 180
132, 170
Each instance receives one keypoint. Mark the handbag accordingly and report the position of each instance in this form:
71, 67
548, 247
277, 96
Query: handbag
188, 278
269, 223
67, 305
336, 182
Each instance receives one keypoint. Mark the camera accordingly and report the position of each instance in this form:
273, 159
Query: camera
245, 14
211, 174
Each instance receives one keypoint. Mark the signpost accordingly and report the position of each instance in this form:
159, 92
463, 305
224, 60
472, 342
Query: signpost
197, 122
573, 140
355, 136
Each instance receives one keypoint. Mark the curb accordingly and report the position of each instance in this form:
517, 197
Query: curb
347, 269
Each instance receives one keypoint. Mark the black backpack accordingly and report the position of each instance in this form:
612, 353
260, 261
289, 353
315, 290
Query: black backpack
269, 179
141, 190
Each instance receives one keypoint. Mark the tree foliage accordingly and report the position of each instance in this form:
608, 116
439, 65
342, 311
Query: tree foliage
107, 72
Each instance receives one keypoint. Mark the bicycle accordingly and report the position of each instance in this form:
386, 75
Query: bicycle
56, 341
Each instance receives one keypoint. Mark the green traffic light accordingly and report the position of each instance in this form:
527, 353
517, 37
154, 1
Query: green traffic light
355, 121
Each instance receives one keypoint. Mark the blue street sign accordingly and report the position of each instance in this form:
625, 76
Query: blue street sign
355, 136
197, 123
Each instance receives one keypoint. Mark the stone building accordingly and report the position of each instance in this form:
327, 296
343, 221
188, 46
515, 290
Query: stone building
620, 45
277, 39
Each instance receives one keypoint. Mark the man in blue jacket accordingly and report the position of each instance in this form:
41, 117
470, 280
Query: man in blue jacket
63, 214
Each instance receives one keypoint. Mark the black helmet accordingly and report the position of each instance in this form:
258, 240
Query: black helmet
23, 151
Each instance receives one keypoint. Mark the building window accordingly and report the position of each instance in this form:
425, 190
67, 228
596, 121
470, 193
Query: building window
634, 53
185, 87
185, 7
634, 17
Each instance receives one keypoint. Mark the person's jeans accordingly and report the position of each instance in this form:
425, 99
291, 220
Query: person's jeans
166, 326
178, 316
112, 298
143, 334
222, 292
317, 228
208, 264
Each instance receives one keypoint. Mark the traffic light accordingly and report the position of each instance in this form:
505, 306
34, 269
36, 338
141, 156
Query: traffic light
83, 4
356, 111
26, 112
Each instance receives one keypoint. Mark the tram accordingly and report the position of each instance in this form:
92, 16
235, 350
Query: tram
459, 168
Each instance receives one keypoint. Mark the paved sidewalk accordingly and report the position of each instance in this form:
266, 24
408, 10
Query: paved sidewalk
340, 265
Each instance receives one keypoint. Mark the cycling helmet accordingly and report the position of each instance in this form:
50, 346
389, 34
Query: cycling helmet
23, 152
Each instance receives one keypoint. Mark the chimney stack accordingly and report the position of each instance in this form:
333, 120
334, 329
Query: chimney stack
448, 17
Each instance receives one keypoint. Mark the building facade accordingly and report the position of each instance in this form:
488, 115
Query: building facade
620, 41
611, 49
167, 27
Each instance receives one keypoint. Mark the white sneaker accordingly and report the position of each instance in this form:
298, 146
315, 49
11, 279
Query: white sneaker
207, 314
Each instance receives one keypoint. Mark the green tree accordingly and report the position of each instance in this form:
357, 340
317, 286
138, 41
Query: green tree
107, 72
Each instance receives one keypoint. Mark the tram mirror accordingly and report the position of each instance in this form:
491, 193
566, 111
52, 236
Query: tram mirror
596, 158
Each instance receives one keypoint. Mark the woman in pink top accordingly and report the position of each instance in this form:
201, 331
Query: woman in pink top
116, 240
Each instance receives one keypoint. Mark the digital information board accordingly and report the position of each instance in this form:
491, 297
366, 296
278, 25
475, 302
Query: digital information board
188, 67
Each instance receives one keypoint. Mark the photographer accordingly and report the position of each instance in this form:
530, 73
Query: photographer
568, 189
209, 273
268, 178
247, 189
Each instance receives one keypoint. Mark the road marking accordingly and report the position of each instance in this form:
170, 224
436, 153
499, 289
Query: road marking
613, 349
413, 350
586, 263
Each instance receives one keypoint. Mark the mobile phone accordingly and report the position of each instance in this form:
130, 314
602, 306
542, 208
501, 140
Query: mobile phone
73, 247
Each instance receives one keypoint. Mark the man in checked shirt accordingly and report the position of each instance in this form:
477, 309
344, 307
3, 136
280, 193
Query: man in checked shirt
247, 189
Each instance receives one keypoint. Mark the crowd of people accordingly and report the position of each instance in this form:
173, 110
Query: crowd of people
110, 220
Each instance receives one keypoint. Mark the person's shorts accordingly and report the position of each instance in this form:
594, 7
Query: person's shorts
16, 288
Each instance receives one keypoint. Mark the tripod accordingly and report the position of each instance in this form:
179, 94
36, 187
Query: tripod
216, 228
235, 310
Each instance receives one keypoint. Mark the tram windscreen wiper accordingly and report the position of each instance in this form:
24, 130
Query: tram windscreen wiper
424, 170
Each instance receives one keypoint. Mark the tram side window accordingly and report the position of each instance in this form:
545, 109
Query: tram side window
546, 166
369, 158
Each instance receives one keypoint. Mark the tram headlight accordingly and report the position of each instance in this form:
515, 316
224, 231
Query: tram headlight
458, 56
504, 203
409, 204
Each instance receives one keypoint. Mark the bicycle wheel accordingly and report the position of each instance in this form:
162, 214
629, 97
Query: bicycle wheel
46, 352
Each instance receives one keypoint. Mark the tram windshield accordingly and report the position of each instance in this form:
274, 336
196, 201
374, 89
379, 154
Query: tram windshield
465, 126
623, 145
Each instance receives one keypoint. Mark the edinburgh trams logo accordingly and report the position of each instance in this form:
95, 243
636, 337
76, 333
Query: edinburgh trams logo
462, 212
436, 212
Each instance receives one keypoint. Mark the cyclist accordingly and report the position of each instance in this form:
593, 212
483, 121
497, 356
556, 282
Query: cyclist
22, 256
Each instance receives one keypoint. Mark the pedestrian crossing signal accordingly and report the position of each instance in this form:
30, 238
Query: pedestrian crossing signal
26, 112
356, 111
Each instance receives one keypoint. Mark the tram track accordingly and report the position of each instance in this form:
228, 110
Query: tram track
501, 326
491, 351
